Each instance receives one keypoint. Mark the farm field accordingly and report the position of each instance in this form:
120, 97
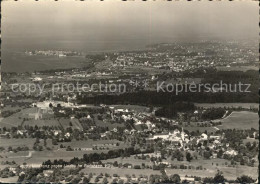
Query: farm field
37, 157
90, 143
11, 121
229, 172
17, 119
130, 160
236, 105
17, 142
42, 122
11, 108
9, 180
66, 122
209, 169
134, 173
110, 126
237, 68
201, 129
121, 172
240, 120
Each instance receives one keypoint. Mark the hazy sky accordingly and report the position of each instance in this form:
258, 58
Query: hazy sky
95, 25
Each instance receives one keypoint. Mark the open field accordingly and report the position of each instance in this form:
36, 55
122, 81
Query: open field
240, 120
16, 119
201, 129
229, 172
210, 168
11, 108
37, 157
130, 160
121, 172
236, 105
65, 123
90, 143
11, 121
9, 180
17, 142
42, 122
237, 68
110, 126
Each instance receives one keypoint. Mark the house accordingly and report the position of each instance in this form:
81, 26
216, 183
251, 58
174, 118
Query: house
82, 149
204, 136
47, 173
231, 152
215, 137
36, 79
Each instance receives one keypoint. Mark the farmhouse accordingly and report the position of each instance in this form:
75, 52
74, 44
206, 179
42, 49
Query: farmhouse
231, 152
82, 149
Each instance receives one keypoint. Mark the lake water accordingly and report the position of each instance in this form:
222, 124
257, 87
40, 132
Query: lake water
20, 62
14, 59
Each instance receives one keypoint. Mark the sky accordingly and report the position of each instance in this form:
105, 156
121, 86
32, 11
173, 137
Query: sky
96, 25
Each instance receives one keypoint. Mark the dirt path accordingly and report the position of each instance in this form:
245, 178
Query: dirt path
27, 156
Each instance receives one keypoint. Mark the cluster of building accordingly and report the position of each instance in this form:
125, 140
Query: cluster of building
58, 53
182, 57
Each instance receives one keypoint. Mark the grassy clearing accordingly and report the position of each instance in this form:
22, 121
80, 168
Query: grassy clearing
240, 120
210, 168
130, 160
11, 121
66, 123
120, 172
201, 129
237, 68
90, 143
17, 142
110, 126
235, 105
41, 122
56, 153
9, 180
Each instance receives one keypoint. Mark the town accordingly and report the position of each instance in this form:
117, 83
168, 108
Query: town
140, 136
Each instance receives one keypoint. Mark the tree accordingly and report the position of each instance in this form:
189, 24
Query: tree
10, 148
245, 179
85, 180
54, 142
121, 181
208, 180
175, 178
220, 153
219, 178
206, 154
188, 157
45, 142
105, 180
115, 164
96, 179
76, 180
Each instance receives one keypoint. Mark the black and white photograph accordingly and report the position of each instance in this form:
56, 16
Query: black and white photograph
129, 92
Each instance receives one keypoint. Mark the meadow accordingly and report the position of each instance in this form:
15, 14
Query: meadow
235, 105
240, 120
